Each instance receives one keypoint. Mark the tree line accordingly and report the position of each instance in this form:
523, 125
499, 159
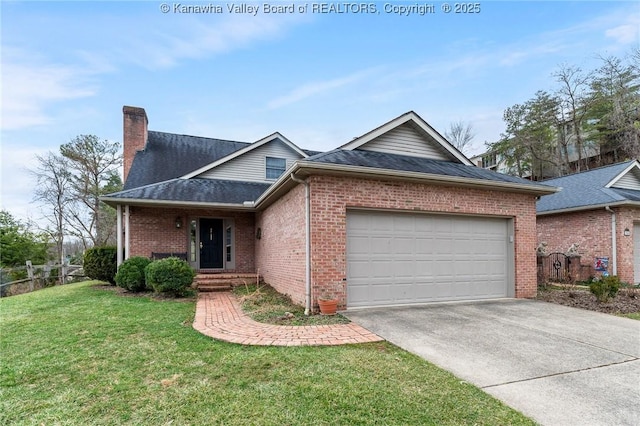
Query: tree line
68, 186
591, 118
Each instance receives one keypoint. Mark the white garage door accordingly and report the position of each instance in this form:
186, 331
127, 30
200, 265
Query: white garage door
396, 258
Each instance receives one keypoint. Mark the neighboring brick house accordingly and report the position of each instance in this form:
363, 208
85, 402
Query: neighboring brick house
396, 216
598, 210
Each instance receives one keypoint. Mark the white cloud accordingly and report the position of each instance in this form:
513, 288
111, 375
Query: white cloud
17, 181
624, 34
29, 86
164, 48
319, 87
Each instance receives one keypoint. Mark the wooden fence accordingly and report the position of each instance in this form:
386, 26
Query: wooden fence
37, 277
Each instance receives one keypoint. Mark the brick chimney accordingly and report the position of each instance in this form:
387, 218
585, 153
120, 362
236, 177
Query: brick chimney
134, 138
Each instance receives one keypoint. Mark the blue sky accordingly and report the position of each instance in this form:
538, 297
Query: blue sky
319, 78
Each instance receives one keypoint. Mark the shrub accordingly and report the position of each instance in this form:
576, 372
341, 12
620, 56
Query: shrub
130, 275
100, 263
170, 275
605, 288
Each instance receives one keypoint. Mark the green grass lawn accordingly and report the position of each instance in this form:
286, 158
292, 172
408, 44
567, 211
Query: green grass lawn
79, 354
635, 315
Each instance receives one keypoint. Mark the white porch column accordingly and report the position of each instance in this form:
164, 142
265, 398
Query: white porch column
119, 244
127, 234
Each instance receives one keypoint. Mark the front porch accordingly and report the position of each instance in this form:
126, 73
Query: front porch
212, 241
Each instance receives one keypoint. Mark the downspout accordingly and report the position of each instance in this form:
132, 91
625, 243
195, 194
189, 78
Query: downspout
307, 219
614, 242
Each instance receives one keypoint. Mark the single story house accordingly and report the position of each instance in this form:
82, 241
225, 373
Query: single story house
395, 216
598, 212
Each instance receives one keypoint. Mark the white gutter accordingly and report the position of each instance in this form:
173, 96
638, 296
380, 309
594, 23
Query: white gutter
307, 218
614, 242
589, 207
169, 203
430, 178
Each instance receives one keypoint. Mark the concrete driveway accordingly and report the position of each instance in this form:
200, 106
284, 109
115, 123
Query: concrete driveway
557, 365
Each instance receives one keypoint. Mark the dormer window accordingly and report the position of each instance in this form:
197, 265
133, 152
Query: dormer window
275, 167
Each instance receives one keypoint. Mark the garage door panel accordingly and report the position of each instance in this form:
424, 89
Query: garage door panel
358, 245
395, 258
403, 245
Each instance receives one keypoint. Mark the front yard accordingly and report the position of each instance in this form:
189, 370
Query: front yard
80, 354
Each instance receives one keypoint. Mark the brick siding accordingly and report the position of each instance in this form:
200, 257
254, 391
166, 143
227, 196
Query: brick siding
280, 253
154, 230
591, 229
134, 136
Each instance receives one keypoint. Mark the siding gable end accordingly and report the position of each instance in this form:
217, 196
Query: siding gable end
629, 180
409, 135
406, 140
251, 166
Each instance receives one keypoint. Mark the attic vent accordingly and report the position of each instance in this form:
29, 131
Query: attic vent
630, 180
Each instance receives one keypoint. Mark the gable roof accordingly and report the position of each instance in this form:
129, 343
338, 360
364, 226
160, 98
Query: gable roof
609, 185
423, 166
251, 147
168, 156
412, 122
169, 171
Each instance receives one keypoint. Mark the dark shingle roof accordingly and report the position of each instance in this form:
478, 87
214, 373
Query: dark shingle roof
169, 156
196, 190
413, 164
586, 189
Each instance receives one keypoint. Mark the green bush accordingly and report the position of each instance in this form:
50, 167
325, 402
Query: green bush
170, 275
130, 275
605, 288
100, 263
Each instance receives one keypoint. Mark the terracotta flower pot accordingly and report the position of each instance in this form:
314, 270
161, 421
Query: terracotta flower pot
328, 306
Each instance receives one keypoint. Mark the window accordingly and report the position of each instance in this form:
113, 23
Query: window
489, 160
192, 241
228, 243
275, 167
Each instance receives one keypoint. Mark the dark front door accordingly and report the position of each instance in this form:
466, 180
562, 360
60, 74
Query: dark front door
211, 243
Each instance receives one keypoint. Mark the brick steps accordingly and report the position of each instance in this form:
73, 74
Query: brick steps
222, 282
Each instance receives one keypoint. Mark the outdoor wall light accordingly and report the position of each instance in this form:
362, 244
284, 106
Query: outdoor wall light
258, 233
178, 222
627, 232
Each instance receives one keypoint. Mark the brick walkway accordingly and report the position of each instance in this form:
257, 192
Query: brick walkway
219, 315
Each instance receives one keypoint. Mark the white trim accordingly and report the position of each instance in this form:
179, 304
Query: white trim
119, 242
375, 173
169, 203
422, 125
244, 150
591, 207
127, 233
623, 173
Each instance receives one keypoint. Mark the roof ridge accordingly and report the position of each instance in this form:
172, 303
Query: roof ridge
199, 137
626, 163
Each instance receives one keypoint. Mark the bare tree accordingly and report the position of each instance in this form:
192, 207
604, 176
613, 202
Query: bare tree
53, 191
616, 118
460, 134
94, 164
576, 102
